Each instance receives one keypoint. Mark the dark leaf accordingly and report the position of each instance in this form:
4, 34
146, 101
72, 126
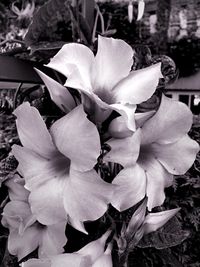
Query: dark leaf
45, 46
7, 168
168, 236
44, 18
83, 24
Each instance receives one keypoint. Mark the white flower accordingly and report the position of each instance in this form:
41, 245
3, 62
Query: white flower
25, 233
151, 156
105, 81
58, 167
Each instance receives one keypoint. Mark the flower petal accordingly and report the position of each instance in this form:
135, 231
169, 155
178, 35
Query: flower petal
16, 189
95, 248
124, 151
22, 245
172, 121
127, 111
97, 109
75, 61
154, 221
47, 201
17, 214
118, 128
141, 118
59, 94
109, 66
70, 259
131, 187
32, 130
61, 260
157, 179
77, 225
36, 263
86, 195
141, 6
176, 157
77, 138
53, 240
35, 169
138, 86
105, 260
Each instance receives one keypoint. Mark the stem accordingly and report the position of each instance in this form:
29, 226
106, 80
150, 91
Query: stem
123, 259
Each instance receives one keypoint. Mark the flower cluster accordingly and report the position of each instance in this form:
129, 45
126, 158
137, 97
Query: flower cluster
60, 179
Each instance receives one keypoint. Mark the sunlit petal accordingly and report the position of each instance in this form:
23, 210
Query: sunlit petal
124, 151
77, 82
176, 157
53, 240
131, 187
32, 130
86, 195
77, 138
138, 86
172, 121
59, 94
76, 58
109, 67
154, 221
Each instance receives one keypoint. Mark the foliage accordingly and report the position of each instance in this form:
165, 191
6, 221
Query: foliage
46, 22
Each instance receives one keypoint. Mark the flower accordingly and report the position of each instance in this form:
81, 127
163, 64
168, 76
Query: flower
159, 149
25, 233
105, 81
57, 166
24, 12
91, 255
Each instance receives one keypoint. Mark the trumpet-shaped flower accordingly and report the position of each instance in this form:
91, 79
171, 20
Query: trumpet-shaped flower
91, 255
58, 167
158, 150
105, 80
25, 233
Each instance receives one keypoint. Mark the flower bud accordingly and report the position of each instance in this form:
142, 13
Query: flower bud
154, 221
118, 128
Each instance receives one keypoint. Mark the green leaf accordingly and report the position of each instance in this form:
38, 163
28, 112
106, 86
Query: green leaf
168, 236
